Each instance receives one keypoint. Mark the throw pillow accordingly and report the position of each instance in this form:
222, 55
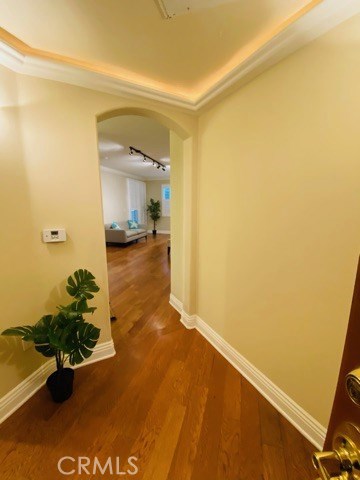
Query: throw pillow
133, 225
115, 226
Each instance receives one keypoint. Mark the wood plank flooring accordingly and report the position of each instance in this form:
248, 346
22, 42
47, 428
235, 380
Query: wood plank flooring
167, 398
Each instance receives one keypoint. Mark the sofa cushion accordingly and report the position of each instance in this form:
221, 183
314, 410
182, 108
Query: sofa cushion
115, 226
133, 225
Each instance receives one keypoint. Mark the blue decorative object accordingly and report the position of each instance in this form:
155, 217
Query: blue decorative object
166, 193
133, 225
115, 226
135, 216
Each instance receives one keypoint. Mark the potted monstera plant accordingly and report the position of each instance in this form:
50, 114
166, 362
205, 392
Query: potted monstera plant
65, 335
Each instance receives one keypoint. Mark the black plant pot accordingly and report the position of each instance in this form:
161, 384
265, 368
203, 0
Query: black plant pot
154, 232
60, 384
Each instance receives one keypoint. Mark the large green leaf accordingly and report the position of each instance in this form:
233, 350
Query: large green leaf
39, 334
44, 324
82, 285
41, 338
46, 349
82, 342
63, 319
26, 332
76, 309
42, 329
56, 337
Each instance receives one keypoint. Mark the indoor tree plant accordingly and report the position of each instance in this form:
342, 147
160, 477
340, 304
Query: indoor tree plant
65, 335
154, 209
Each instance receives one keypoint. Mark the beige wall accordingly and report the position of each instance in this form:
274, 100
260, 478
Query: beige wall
50, 177
153, 190
279, 216
114, 197
177, 216
17, 245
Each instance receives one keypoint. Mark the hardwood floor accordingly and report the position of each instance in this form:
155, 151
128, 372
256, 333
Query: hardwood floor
167, 398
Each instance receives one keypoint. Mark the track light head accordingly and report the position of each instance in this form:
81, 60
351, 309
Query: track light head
146, 158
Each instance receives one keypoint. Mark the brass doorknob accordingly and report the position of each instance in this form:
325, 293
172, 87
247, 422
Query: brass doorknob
345, 456
318, 461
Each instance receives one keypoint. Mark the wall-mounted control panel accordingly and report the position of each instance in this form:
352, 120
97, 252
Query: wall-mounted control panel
54, 235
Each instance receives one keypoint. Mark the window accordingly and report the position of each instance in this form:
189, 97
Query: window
137, 200
134, 215
165, 200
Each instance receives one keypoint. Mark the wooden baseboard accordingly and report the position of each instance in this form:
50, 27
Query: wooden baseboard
28, 387
307, 425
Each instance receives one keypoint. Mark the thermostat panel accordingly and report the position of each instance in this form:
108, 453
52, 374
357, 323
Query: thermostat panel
54, 235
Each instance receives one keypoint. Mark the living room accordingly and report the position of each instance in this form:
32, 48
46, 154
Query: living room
134, 155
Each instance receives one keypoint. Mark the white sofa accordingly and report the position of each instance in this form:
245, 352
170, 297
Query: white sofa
124, 234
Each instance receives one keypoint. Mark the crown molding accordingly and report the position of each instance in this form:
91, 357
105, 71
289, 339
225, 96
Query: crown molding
318, 20
41, 67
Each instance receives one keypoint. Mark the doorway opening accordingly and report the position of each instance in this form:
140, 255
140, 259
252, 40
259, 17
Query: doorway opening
134, 155
138, 149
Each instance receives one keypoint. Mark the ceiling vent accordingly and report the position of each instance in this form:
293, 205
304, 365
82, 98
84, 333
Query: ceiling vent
173, 8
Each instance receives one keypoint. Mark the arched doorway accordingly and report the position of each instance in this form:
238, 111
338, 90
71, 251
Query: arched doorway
183, 292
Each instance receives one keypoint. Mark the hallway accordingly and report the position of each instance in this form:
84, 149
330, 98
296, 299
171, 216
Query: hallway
167, 398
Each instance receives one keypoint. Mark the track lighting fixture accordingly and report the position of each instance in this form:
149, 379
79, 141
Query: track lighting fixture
146, 158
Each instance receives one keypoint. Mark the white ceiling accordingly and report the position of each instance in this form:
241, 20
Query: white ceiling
117, 134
